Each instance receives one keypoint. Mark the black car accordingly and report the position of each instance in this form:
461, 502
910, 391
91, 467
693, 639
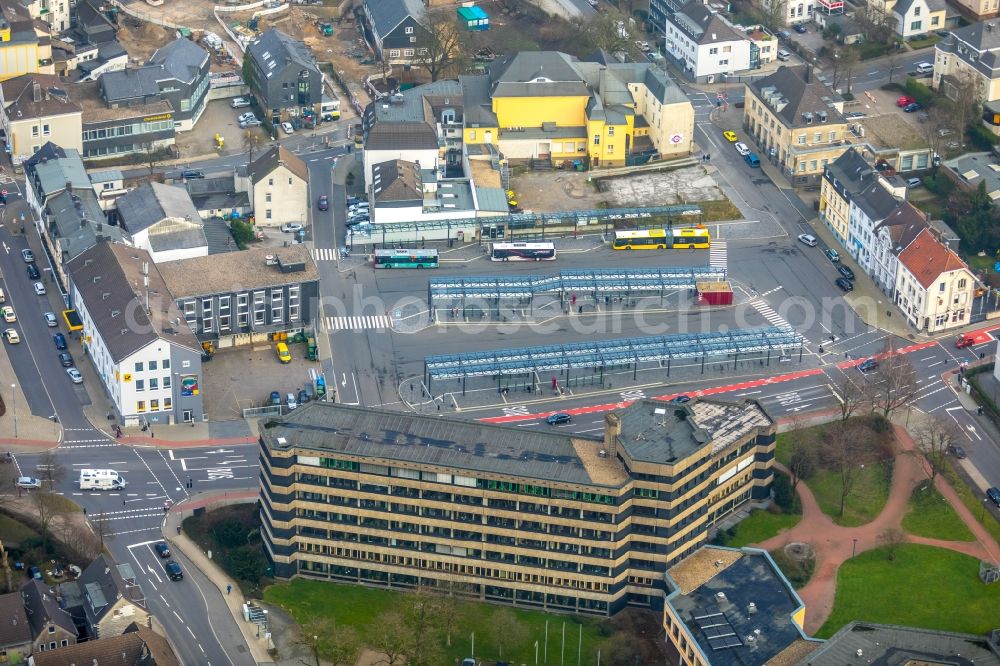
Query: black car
844, 284
33, 273
303, 396
354, 200
868, 365
162, 550
323, 203
911, 107
66, 360
173, 570
801, 29
956, 451
60, 341
845, 271
557, 418
994, 495
680, 399
192, 174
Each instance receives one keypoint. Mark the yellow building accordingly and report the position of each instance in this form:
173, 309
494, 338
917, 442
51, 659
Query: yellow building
36, 110
734, 606
842, 180
550, 106
797, 121
25, 44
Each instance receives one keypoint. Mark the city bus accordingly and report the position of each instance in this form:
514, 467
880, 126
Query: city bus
523, 251
662, 239
406, 258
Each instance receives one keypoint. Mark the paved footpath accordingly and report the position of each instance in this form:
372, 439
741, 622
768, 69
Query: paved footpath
833, 544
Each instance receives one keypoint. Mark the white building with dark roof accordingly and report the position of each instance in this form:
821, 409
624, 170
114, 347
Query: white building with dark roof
163, 220
707, 46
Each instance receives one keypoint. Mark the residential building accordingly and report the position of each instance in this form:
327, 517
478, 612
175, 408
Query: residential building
793, 12
970, 171
225, 196
842, 179
25, 45
734, 606
971, 53
37, 109
113, 131
283, 77
148, 361
884, 643
105, 599
914, 18
139, 646
70, 218
163, 221
977, 10
895, 232
245, 297
541, 519
90, 47
56, 13
798, 122
16, 638
279, 188
550, 106
707, 47
52, 627
395, 29
176, 73
109, 184
934, 287
869, 208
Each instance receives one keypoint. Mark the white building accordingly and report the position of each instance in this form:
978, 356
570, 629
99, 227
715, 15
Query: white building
934, 287
707, 45
163, 220
279, 188
135, 336
789, 12
894, 233
868, 209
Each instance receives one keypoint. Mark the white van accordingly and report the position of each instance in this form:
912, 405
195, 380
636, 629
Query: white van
925, 68
101, 479
784, 55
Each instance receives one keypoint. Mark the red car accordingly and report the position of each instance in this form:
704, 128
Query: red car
905, 100
964, 341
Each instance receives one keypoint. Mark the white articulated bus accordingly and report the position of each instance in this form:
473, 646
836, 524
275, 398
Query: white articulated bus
101, 479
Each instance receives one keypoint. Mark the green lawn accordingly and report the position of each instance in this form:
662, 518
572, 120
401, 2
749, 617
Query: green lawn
974, 501
924, 42
14, 532
760, 526
931, 516
978, 263
865, 500
782, 448
923, 587
358, 607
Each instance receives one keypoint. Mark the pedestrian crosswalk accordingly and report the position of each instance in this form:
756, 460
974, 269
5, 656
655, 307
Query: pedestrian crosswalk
768, 313
324, 254
718, 255
359, 323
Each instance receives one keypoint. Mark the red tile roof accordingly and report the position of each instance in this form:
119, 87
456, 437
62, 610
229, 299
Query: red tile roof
927, 258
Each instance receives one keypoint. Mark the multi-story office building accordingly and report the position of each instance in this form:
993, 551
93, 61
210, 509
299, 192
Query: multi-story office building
120, 130
506, 514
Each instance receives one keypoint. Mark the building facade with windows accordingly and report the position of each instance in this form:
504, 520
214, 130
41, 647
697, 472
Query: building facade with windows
283, 77
240, 298
279, 188
114, 131
707, 46
25, 45
148, 360
505, 514
396, 29
798, 122
971, 53
36, 109
934, 287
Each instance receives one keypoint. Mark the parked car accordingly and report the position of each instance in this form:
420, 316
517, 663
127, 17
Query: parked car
192, 174
162, 549
39, 288
323, 203
910, 108
994, 495
784, 55
868, 365
358, 219
281, 349
250, 122
50, 319
558, 417
35, 573
10, 335
832, 255
956, 451
33, 273
845, 271
275, 399
730, 136
844, 284
249, 115
239, 103
801, 28
287, 128
905, 100
28, 482
855, 115
742, 148
925, 68
173, 570
914, 182
9, 315
752, 160
808, 239
354, 200
28, 256
66, 359
290, 401
74, 375
291, 227
60, 341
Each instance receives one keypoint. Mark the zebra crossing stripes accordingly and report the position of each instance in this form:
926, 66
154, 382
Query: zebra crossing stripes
358, 323
324, 254
718, 256
768, 313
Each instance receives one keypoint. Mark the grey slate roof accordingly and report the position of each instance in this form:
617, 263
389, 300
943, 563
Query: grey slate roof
888, 645
103, 582
396, 180
849, 172
238, 271
78, 223
49, 175
274, 157
980, 44
405, 135
536, 74
108, 278
167, 212
388, 14
14, 627
476, 101
42, 608
704, 26
129, 83
798, 95
182, 59
331, 428
903, 6
281, 49
903, 225
876, 201
18, 95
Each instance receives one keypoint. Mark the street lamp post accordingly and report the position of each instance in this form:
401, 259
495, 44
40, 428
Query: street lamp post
854, 548
13, 406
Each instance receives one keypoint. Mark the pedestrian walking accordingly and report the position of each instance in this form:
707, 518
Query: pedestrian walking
229, 589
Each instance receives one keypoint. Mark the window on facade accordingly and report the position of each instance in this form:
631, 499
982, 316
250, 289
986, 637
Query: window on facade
140, 406
168, 403
818, 137
154, 405
270, 182
140, 385
422, 52
409, 30
154, 384
611, 131
916, 11
941, 287
597, 139
166, 381
935, 20
267, 213
393, 53
277, 306
138, 366
915, 25
166, 364
961, 283
408, 52
413, 40
34, 131
802, 139
45, 130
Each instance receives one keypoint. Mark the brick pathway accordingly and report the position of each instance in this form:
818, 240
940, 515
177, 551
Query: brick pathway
833, 544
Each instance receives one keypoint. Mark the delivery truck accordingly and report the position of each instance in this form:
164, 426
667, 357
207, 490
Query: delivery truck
101, 479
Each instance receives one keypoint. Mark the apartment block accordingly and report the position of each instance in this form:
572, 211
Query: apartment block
504, 514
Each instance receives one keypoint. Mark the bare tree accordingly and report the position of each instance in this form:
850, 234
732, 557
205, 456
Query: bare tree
939, 124
328, 642
966, 95
49, 469
422, 612
802, 462
875, 23
895, 383
607, 30
77, 539
8, 476
443, 49
934, 436
843, 62
507, 630
892, 62
45, 511
852, 393
392, 640
843, 442
772, 13
8, 578
891, 538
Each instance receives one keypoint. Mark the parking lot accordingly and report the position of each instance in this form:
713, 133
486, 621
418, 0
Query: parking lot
220, 117
242, 377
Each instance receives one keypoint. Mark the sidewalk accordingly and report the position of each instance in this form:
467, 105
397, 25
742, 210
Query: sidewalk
200, 560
